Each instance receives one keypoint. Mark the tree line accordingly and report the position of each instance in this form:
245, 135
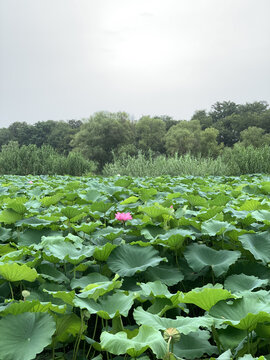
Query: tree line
105, 135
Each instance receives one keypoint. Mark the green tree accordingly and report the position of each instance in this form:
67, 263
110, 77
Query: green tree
21, 132
254, 136
183, 138
204, 119
220, 110
150, 133
101, 134
209, 143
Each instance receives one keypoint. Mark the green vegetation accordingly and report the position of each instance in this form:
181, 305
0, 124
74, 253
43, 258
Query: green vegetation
221, 134
233, 161
187, 276
29, 159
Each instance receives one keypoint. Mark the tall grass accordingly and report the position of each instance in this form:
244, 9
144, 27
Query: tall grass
247, 160
142, 165
29, 159
235, 161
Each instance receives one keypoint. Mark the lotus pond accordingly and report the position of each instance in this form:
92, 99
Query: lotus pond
184, 275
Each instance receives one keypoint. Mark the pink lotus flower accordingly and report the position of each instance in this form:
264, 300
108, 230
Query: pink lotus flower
123, 216
30, 182
171, 206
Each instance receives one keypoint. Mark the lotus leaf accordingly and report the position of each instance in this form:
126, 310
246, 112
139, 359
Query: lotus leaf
16, 272
206, 297
199, 256
242, 282
244, 313
194, 345
25, 335
185, 325
147, 337
126, 260
258, 244
108, 307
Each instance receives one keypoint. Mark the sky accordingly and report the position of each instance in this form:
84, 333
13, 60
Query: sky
67, 59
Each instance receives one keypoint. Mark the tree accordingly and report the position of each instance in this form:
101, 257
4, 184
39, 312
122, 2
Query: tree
168, 120
21, 132
183, 138
209, 144
101, 134
222, 110
150, 133
254, 136
204, 119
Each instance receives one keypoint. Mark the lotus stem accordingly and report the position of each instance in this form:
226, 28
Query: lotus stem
93, 337
11, 291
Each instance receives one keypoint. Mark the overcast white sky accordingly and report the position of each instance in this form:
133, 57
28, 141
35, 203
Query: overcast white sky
66, 59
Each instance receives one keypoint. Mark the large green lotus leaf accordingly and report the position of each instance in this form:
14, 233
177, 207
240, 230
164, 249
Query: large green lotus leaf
219, 200
185, 325
123, 182
9, 216
258, 244
5, 234
155, 210
194, 345
250, 205
146, 194
155, 289
147, 337
51, 200
206, 297
108, 307
70, 212
108, 233
33, 222
231, 337
237, 283
214, 227
244, 313
129, 200
83, 281
17, 206
24, 336
95, 290
126, 260
261, 215
168, 274
91, 196
101, 206
200, 256
102, 253
50, 272
64, 250
196, 200
152, 232
32, 237
16, 272
66, 296
174, 238
66, 325
87, 228
15, 308
210, 213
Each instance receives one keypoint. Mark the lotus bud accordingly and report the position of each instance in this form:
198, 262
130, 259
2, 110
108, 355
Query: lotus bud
172, 333
25, 294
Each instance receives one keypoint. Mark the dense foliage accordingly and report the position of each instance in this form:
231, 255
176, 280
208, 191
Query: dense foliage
29, 159
238, 160
206, 134
186, 276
